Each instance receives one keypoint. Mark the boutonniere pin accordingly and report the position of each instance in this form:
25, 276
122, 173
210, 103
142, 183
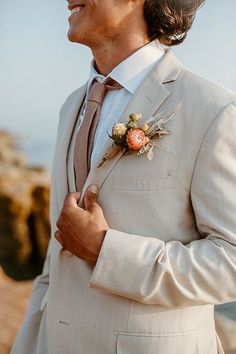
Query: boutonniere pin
134, 138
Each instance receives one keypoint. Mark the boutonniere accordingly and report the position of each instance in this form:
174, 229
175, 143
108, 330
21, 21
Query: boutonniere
134, 138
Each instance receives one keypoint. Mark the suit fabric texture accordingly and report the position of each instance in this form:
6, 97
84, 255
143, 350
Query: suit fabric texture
170, 253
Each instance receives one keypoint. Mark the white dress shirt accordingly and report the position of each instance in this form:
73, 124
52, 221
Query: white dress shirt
129, 73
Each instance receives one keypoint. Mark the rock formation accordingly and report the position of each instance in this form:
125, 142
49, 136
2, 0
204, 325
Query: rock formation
14, 297
24, 212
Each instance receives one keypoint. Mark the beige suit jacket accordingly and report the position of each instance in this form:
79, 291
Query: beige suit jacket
170, 252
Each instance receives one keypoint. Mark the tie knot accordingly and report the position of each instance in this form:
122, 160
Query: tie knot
98, 90
112, 84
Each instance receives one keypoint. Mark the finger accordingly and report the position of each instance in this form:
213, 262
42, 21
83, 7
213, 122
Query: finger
59, 222
91, 197
72, 199
57, 236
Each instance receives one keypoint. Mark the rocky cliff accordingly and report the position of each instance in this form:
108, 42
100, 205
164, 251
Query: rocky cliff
24, 212
14, 297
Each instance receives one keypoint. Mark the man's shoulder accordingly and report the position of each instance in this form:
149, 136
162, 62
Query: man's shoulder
72, 102
73, 97
205, 92
194, 89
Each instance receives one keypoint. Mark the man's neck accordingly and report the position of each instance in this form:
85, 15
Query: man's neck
109, 55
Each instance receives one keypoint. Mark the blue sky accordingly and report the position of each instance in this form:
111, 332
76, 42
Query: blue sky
39, 67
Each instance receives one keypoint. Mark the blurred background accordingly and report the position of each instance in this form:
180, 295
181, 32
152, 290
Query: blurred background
39, 68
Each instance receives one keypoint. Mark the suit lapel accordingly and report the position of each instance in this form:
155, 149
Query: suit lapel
148, 99
68, 119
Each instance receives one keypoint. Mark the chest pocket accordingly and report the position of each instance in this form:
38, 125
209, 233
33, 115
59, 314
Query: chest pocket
144, 183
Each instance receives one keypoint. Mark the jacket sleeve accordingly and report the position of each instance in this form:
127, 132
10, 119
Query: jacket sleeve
172, 274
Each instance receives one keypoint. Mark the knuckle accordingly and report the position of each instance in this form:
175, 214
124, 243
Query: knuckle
90, 197
67, 197
64, 213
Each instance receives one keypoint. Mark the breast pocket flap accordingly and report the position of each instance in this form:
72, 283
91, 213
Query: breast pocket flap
144, 183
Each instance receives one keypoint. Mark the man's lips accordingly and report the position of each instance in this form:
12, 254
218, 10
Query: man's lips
72, 6
76, 10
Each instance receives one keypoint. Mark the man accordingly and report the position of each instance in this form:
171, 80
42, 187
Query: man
142, 249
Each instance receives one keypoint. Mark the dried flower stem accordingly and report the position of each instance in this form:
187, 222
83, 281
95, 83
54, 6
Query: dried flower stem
110, 153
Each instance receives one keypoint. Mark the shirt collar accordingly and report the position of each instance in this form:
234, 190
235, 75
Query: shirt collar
131, 72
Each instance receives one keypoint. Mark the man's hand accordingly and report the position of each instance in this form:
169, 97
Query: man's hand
82, 231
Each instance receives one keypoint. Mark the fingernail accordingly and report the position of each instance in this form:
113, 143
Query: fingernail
94, 189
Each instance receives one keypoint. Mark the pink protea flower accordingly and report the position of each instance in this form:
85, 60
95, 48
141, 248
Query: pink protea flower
136, 139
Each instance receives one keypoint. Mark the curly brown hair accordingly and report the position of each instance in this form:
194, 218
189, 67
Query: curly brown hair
170, 20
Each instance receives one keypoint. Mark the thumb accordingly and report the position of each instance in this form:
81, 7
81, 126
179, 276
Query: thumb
91, 197
72, 199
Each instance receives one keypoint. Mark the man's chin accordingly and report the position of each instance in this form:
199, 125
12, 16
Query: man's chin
72, 36
75, 38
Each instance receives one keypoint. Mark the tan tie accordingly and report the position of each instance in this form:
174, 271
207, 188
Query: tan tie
85, 136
